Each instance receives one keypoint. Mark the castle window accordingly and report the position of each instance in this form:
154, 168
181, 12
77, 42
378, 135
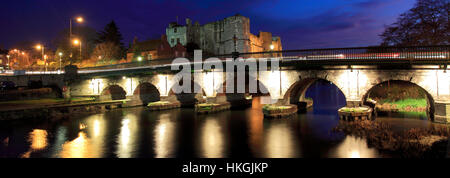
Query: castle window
172, 41
178, 40
175, 30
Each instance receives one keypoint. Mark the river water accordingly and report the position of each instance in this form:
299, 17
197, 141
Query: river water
180, 133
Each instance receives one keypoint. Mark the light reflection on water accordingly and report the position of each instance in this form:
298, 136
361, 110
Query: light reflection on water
136, 132
279, 141
212, 139
164, 137
38, 140
126, 139
354, 147
80, 147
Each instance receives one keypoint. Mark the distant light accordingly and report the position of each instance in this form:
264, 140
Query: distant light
272, 47
23, 53
60, 53
80, 19
76, 41
124, 77
355, 154
139, 58
38, 46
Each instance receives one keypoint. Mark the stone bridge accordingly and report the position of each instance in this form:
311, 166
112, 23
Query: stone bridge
285, 85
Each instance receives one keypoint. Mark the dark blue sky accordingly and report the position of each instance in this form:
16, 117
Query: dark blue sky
300, 23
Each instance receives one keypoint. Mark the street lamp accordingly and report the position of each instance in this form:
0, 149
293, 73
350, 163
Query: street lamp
60, 60
79, 20
46, 64
78, 42
271, 49
39, 47
7, 65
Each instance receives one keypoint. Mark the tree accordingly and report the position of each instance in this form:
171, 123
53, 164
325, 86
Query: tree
427, 23
106, 52
111, 34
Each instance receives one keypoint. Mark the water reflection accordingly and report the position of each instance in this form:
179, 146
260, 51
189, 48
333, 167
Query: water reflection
61, 137
212, 139
38, 140
127, 138
354, 147
279, 141
182, 133
80, 147
255, 123
164, 136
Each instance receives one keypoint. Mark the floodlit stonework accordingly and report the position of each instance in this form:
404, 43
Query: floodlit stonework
218, 37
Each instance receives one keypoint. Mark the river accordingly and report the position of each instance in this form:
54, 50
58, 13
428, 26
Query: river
181, 133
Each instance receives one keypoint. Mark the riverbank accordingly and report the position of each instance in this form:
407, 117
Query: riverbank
413, 143
39, 103
54, 109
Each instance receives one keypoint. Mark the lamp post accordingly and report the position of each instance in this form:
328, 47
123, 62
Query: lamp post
7, 64
79, 20
60, 60
100, 59
46, 64
78, 42
41, 47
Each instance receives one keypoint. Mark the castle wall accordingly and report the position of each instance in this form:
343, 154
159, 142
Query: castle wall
217, 37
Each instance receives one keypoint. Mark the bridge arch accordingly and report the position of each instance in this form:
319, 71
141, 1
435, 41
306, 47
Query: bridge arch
188, 99
146, 93
240, 99
113, 92
297, 91
430, 109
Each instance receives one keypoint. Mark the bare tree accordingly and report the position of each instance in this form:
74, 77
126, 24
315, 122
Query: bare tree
106, 52
427, 23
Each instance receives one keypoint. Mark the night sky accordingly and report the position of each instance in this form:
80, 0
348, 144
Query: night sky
300, 23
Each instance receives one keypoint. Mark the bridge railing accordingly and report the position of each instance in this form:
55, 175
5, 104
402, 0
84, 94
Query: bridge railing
155, 62
364, 53
358, 53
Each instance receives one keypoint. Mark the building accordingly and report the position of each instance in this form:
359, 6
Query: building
218, 37
154, 49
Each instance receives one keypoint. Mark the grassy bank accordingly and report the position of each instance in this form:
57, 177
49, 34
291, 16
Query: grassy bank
403, 105
159, 103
